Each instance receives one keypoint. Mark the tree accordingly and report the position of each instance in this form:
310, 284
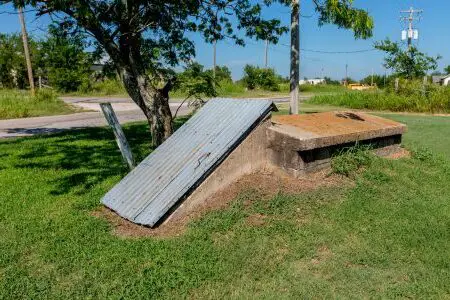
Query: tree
144, 38
196, 83
64, 60
447, 70
409, 63
330, 81
222, 74
255, 77
378, 80
13, 70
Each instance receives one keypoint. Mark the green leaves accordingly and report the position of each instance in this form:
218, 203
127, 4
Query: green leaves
344, 15
255, 77
196, 83
447, 70
409, 63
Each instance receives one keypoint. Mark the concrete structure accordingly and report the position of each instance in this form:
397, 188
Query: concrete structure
249, 157
441, 79
154, 188
306, 143
227, 139
446, 81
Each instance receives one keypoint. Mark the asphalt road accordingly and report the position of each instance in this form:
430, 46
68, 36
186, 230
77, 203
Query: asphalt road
125, 109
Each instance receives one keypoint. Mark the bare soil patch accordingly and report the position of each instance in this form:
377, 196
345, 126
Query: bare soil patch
401, 153
265, 184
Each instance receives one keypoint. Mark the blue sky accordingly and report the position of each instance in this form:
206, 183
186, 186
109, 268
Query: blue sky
433, 30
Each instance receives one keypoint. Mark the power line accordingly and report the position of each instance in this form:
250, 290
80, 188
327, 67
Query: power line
15, 12
333, 52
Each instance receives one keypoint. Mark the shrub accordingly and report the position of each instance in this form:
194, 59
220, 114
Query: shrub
106, 87
256, 77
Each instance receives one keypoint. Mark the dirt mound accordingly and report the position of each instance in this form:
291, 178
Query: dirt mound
266, 182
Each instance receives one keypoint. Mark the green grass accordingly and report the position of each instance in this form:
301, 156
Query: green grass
20, 104
385, 237
102, 88
426, 132
322, 88
437, 101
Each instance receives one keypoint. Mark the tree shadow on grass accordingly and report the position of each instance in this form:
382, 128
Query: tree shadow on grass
86, 157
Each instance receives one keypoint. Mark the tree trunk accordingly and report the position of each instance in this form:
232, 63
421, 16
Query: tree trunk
153, 102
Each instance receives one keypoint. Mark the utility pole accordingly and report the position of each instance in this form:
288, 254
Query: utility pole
346, 75
214, 59
372, 78
410, 17
266, 55
26, 50
295, 57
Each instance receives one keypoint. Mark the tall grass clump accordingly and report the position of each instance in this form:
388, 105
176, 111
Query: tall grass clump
20, 104
321, 88
411, 97
107, 87
230, 89
351, 159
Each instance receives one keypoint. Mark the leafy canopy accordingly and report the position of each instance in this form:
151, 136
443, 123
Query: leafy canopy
195, 82
13, 72
154, 32
447, 70
63, 59
260, 78
410, 63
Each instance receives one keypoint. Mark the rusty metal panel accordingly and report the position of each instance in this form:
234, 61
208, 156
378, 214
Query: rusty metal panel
184, 160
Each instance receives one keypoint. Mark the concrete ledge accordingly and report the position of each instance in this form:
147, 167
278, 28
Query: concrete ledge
312, 131
301, 144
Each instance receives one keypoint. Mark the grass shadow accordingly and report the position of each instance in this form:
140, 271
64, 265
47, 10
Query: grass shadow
87, 156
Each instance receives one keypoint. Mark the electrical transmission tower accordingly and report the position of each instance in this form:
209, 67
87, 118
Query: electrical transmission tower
409, 16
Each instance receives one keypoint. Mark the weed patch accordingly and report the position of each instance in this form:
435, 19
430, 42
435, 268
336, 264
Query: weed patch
350, 160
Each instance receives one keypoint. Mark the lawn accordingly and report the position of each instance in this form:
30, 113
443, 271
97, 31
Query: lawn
386, 236
20, 104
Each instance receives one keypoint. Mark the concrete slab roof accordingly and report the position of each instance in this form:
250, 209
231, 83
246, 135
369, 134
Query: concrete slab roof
312, 131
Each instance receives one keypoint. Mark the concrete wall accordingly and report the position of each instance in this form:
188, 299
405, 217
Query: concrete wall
249, 157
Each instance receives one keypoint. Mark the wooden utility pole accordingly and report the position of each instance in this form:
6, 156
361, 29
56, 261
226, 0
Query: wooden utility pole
295, 57
26, 50
266, 54
346, 75
371, 84
214, 59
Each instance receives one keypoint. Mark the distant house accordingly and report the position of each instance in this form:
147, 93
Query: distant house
312, 81
442, 80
